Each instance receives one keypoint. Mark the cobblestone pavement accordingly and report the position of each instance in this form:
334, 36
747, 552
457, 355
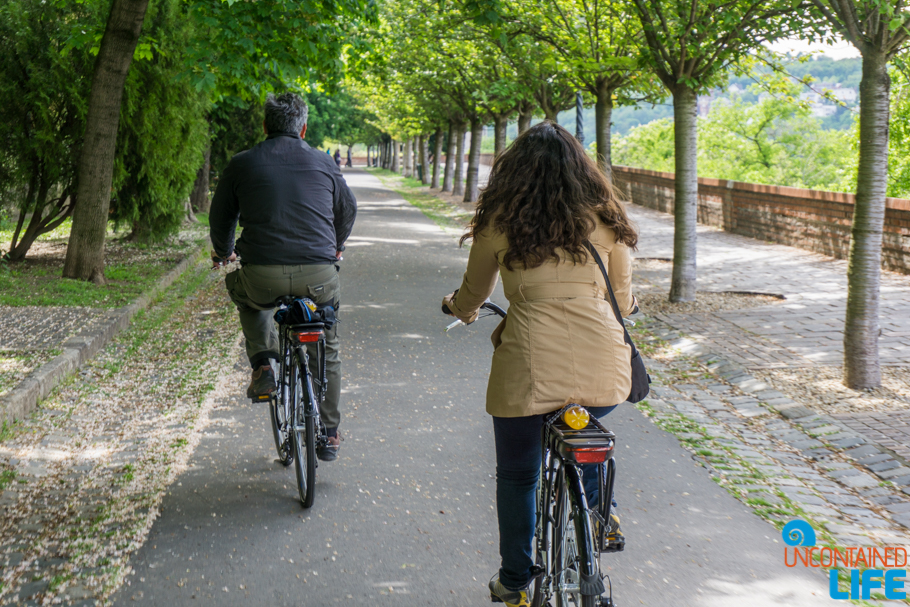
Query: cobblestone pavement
816, 467
41, 328
886, 429
805, 330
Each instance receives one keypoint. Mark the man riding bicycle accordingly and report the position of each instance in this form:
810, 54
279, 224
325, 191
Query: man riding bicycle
296, 212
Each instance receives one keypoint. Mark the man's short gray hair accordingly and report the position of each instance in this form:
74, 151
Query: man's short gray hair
286, 113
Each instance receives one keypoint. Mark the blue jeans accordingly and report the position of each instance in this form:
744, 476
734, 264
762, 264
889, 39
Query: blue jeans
517, 471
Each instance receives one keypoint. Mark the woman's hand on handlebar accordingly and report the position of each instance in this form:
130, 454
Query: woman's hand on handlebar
447, 301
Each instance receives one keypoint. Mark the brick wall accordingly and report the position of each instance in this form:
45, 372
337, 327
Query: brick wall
810, 219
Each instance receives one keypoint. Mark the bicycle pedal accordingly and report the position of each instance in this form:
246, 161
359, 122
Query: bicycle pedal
262, 398
495, 599
615, 545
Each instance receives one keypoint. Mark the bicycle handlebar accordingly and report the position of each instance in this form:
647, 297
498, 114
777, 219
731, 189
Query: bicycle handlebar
494, 308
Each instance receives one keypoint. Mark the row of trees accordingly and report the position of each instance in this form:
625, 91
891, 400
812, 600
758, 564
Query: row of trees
121, 97
458, 64
120, 110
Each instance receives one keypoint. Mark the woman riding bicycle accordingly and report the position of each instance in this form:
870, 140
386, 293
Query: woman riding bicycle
561, 341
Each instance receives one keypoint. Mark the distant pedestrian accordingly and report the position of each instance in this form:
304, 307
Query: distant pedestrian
349, 163
338, 157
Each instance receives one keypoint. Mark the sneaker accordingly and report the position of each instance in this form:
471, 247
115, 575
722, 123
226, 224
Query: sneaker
328, 451
614, 540
511, 598
262, 383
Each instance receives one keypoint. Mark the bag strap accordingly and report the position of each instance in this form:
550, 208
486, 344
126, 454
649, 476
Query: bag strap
603, 270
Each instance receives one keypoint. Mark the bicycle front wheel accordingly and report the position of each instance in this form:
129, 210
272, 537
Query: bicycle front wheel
304, 436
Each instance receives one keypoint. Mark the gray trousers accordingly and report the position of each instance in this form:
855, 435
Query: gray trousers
254, 290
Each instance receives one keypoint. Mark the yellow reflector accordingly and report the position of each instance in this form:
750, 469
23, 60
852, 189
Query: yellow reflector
576, 417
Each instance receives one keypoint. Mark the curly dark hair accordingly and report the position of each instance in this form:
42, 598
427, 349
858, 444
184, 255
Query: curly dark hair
544, 194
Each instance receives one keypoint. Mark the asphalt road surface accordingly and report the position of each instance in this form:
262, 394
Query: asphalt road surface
405, 516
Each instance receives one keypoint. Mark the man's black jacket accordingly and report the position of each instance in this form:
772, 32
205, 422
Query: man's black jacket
293, 204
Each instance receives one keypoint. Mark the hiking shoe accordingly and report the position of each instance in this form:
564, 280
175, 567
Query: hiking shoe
262, 383
613, 540
511, 598
328, 450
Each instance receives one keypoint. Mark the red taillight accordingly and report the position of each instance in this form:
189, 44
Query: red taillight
308, 337
590, 455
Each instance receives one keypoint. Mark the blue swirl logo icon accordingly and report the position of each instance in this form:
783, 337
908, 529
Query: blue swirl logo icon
798, 533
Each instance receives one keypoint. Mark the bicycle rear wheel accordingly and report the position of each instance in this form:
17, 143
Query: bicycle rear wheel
304, 435
279, 409
279, 414
568, 545
541, 586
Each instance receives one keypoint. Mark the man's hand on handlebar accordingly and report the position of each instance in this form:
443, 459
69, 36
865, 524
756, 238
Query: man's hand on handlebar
218, 262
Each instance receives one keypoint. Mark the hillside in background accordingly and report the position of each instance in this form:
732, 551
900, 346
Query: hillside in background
826, 72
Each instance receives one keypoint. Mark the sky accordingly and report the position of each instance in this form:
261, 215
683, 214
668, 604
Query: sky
841, 50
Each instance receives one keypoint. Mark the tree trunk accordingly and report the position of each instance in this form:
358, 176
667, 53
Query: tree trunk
437, 152
603, 113
525, 114
39, 222
199, 197
85, 252
685, 105
407, 158
861, 327
189, 215
395, 162
500, 122
425, 159
421, 160
458, 181
544, 100
29, 203
449, 175
471, 189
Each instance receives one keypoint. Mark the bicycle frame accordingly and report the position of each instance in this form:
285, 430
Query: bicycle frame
560, 486
315, 385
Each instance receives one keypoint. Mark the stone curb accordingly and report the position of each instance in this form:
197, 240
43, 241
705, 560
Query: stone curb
24, 398
818, 435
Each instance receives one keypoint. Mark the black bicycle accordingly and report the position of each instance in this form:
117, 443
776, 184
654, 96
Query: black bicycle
570, 534
294, 407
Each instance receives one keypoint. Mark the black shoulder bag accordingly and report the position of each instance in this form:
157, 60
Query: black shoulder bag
640, 377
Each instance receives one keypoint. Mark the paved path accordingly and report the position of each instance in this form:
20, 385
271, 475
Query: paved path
405, 516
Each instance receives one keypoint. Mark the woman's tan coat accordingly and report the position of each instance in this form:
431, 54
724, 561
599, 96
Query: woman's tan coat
561, 341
